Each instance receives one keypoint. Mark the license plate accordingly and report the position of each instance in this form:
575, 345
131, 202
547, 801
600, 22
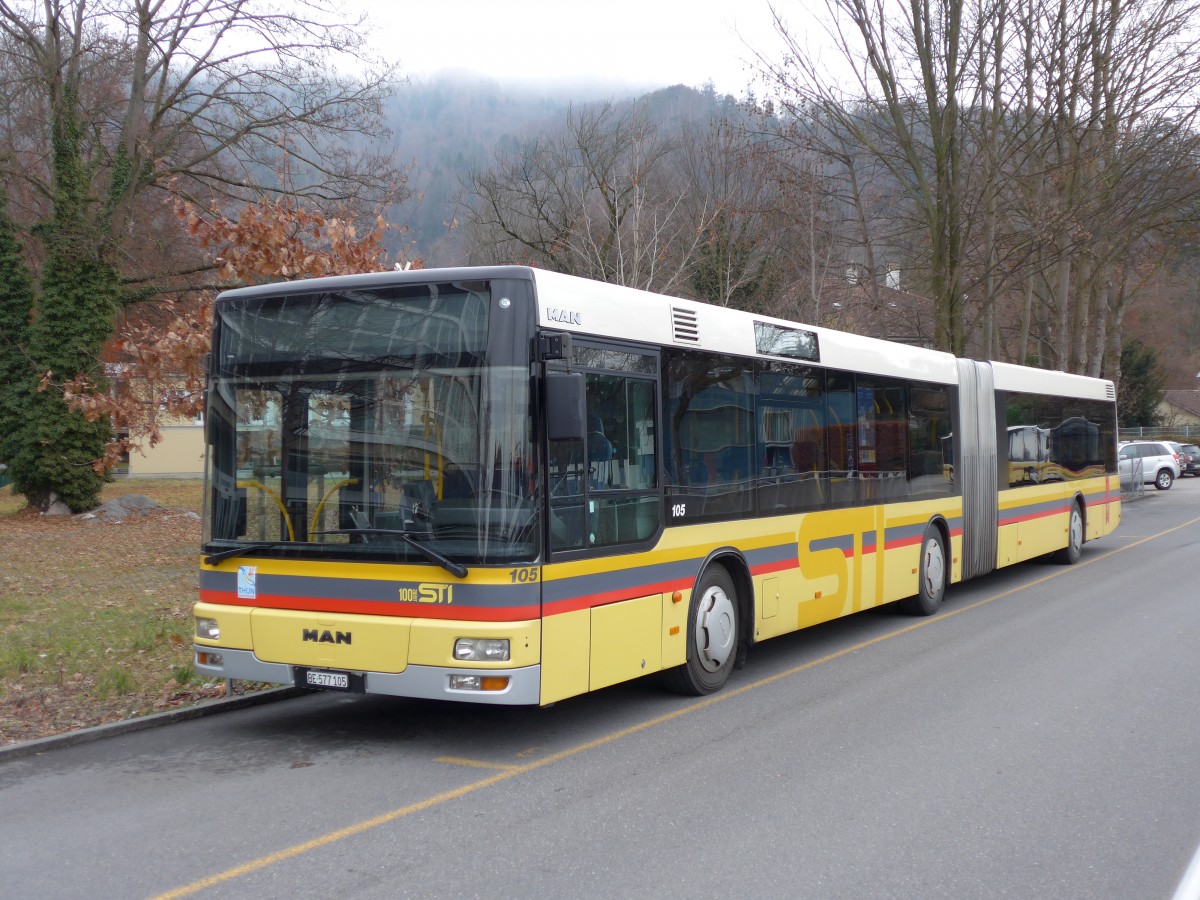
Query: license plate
339, 681
322, 680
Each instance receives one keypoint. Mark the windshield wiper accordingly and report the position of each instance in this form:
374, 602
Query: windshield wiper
458, 570
229, 553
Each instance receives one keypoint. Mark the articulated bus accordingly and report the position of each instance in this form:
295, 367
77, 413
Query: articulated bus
505, 485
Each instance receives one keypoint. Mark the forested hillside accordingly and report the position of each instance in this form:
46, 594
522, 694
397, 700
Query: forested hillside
447, 127
1020, 186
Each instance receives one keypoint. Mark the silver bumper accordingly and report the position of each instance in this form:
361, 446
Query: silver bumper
425, 682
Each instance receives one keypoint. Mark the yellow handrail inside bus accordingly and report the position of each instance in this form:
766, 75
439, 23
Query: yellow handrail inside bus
287, 520
329, 493
430, 424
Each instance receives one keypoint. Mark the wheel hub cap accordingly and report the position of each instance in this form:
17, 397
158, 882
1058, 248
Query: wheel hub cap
935, 568
715, 637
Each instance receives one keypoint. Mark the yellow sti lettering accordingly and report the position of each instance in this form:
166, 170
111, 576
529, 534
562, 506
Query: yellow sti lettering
428, 593
435, 593
830, 563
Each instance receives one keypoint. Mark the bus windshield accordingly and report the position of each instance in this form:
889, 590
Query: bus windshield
369, 424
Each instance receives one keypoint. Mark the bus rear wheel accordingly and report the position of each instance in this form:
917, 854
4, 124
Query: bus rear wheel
931, 576
712, 636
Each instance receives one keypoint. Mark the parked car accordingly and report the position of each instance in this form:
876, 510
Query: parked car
1189, 462
1160, 463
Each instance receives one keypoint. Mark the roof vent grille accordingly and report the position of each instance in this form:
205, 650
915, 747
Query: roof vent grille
1111, 392
685, 325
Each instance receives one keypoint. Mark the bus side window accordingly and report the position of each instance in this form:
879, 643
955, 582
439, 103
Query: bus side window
840, 439
712, 436
882, 453
604, 485
623, 502
793, 476
929, 430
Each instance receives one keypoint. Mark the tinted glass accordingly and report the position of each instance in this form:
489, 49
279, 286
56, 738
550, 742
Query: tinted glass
710, 436
603, 485
340, 421
1054, 439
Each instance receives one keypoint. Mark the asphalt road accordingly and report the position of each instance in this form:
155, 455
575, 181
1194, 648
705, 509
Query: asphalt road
1038, 738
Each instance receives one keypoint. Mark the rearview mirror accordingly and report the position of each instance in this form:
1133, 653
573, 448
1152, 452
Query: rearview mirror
564, 406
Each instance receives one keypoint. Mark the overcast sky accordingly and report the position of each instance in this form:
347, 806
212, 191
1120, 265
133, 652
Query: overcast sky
641, 43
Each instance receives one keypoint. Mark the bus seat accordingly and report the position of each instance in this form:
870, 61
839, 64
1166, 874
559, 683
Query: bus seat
599, 448
457, 484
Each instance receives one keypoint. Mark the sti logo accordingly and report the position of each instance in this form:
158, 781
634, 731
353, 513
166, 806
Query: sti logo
570, 317
428, 593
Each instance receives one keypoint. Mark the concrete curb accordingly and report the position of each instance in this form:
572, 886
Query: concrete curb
127, 726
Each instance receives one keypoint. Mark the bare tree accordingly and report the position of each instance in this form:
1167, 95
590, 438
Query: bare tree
1041, 144
733, 200
201, 98
597, 196
910, 64
1111, 107
208, 100
114, 101
827, 216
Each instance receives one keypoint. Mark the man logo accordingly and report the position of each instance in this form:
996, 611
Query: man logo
568, 316
326, 637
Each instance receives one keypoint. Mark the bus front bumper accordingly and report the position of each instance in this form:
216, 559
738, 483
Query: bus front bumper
424, 682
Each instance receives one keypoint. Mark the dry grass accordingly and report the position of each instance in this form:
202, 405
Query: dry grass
95, 619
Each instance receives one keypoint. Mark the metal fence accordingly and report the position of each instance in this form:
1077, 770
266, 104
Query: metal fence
1133, 482
1184, 434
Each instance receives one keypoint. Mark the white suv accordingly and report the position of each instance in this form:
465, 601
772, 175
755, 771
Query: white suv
1160, 464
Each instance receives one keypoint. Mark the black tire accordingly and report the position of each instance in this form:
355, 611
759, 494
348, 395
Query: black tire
712, 636
1164, 479
1069, 555
932, 576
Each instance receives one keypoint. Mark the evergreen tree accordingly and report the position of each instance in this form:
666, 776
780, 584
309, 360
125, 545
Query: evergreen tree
1142, 387
137, 98
16, 302
53, 450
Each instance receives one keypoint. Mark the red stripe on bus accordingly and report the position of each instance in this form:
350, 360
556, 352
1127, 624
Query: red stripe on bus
588, 601
772, 567
1029, 517
376, 607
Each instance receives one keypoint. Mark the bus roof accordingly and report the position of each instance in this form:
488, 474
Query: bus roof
586, 307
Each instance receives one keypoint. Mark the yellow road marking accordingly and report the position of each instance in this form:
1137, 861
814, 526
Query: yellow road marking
513, 771
475, 763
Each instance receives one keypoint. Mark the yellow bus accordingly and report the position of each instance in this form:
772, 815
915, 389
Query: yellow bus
505, 485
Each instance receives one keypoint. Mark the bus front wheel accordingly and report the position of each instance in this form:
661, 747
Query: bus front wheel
1069, 555
931, 576
712, 636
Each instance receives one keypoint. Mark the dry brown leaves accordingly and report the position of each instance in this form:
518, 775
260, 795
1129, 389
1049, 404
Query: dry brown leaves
95, 619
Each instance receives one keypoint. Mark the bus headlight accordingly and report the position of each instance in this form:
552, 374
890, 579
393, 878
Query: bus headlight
208, 629
481, 649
